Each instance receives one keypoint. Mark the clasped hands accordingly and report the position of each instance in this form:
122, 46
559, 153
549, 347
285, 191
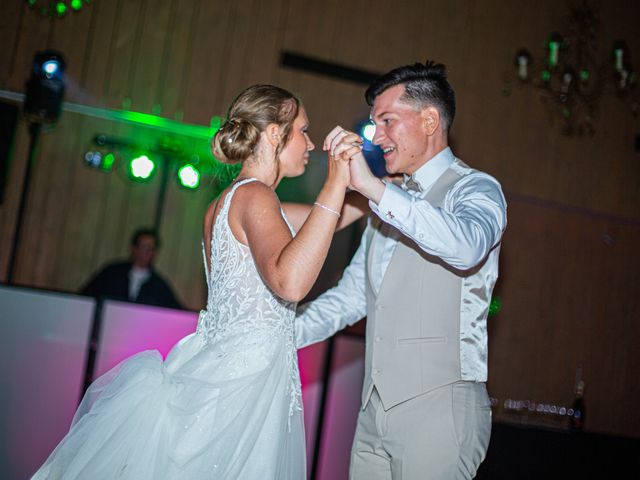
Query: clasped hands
346, 146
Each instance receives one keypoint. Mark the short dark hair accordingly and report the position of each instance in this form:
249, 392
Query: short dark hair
141, 232
425, 85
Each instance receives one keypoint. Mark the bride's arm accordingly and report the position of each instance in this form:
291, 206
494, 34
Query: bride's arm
289, 266
354, 208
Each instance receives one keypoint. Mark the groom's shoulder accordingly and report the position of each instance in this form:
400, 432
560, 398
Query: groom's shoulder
470, 175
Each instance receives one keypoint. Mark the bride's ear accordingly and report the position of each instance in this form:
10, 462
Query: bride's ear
273, 134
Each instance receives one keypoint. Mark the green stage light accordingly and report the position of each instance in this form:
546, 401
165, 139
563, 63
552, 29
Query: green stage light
189, 176
57, 8
108, 161
494, 306
99, 160
141, 167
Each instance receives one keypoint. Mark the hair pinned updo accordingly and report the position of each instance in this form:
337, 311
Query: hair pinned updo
249, 115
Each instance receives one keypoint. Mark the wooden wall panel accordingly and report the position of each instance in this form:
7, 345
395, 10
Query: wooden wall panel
175, 69
210, 57
568, 298
10, 23
34, 36
242, 39
151, 55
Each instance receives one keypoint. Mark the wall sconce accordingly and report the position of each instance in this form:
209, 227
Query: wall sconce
570, 80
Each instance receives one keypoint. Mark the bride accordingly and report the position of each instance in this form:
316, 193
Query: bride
226, 402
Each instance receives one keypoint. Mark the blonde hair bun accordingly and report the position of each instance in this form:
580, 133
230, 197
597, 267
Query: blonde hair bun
250, 113
236, 140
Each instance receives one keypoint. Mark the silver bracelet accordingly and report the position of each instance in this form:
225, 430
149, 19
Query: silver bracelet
327, 208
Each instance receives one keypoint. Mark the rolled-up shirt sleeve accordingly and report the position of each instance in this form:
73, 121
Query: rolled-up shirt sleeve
338, 307
462, 232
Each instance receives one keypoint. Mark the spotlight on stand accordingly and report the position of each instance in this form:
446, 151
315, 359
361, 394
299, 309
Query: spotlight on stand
42, 105
45, 88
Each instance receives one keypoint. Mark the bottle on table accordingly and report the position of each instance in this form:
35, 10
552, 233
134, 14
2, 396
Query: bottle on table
576, 420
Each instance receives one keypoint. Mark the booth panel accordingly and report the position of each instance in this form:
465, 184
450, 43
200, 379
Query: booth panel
127, 329
311, 361
342, 407
44, 345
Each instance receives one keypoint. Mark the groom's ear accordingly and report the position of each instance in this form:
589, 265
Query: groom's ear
430, 119
273, 134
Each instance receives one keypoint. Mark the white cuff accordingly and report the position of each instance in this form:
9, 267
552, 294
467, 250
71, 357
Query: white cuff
395, 202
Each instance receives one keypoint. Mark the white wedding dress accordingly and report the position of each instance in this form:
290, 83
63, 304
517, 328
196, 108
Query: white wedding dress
225, 404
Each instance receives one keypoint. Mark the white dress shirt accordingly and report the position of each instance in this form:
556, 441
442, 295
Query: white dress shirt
137, 276
462, 233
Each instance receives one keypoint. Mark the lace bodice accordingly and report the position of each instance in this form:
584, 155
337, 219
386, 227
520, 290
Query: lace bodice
243, 314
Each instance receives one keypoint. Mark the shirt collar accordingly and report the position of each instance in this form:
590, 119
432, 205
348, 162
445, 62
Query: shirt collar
428, 173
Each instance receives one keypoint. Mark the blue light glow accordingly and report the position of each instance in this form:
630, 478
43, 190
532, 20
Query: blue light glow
368, 131
50, 67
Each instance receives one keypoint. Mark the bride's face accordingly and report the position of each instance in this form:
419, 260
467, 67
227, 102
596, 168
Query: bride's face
295, 154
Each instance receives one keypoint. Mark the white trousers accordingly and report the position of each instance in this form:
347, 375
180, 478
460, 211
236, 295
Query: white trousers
442, 434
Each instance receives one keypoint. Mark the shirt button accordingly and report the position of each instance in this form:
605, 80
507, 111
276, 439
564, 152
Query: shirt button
376, 371
378, 339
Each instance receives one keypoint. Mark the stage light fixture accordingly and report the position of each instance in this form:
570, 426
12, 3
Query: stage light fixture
45, 88
50, 68
189, 176
56, 8
100, 160
61, 8
141, 167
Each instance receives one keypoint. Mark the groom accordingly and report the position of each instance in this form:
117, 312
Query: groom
423, 276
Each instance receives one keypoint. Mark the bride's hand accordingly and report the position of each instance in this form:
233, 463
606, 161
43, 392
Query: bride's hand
341, 146
338, 170
348, 144
340, 141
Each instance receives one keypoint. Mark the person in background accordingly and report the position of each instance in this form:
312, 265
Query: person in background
135, 280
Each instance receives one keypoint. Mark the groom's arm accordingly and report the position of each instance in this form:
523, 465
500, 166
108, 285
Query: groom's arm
338, 307
463, 232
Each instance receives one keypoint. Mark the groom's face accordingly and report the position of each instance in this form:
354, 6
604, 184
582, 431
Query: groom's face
401, 131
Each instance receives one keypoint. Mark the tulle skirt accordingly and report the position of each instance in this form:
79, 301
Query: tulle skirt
214, 412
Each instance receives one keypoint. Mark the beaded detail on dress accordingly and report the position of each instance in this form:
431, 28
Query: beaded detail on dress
243, 314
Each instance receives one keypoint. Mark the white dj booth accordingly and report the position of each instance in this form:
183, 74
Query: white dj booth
52, 342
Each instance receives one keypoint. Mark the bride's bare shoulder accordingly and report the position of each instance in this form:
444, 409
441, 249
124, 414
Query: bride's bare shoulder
255, 195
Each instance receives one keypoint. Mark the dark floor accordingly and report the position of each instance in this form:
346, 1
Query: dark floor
518, 452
